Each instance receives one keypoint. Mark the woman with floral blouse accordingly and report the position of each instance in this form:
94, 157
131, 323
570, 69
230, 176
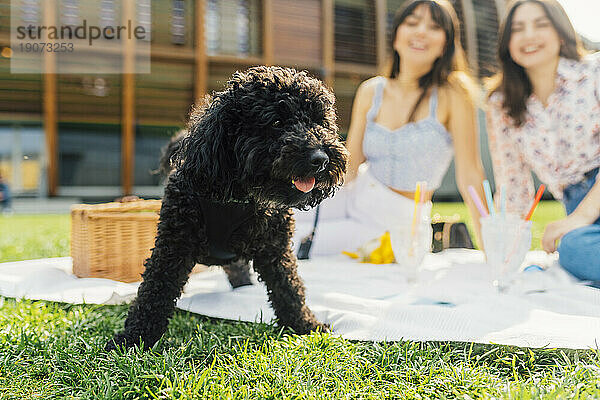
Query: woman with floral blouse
544, 116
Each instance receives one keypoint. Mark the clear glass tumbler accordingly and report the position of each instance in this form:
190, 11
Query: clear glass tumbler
411, 245
507, 239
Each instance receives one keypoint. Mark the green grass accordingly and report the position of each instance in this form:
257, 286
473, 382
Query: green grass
547, 211
52, 350
34, 236
39, 236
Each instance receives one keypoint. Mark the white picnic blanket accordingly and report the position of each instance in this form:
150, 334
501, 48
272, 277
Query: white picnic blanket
452, 299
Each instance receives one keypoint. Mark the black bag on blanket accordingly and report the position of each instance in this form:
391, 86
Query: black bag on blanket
450, 235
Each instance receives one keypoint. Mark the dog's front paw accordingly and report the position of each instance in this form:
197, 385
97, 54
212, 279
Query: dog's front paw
321, 327
121, 340
310, 325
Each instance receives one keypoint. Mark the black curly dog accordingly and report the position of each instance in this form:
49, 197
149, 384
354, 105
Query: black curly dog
267, 143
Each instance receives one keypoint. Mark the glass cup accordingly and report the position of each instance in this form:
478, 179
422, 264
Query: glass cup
411, 245
507, 240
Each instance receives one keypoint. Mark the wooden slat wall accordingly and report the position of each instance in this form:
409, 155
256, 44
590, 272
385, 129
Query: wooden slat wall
165, 94
345, 89
128, 106
200, 57
218, 76
328, 41
82, 96
19, 93
50, 105
298, 38
5, 17
297, 27
268, 32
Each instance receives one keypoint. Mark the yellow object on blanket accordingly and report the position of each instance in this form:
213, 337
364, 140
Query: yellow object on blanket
375, 251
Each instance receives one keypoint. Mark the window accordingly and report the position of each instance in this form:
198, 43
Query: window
243, 27
89, 154
30, 12
70, 12
355, 34
232, 27
178, 22
212, 22
107, 13
144, 17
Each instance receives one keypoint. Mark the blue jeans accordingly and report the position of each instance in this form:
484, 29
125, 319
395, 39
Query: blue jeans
579, 250
5, 202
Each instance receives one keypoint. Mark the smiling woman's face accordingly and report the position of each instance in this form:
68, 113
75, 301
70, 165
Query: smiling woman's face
533, 41
419, 39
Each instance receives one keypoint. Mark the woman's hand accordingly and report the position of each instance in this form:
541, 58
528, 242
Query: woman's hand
585, 214
557, 229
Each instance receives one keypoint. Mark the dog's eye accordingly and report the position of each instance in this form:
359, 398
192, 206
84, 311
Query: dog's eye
276, 123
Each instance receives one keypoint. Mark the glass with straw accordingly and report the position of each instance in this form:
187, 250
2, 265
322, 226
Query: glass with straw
506, 237
410, 243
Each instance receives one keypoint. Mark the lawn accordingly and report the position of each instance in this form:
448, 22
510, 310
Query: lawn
547, 211
53, 350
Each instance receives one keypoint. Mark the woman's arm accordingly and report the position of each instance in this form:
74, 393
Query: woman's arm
356, 132
462, 125
586, 213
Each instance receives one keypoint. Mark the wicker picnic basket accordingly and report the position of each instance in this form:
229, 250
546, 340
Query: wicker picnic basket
113, 240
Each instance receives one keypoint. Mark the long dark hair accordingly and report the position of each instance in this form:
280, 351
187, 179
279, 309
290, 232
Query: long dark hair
452, 59
512, 80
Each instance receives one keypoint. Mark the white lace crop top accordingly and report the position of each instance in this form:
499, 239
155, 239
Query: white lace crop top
417, 151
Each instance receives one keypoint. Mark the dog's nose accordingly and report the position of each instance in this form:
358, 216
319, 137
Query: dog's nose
319, 160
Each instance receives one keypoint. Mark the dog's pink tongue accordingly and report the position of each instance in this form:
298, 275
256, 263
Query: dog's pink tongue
305, 185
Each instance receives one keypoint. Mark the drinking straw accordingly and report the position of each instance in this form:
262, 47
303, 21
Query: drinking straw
423, 191
503, 200
417, 199
414, 220
488, 197
421, 203
477, 201
538, 196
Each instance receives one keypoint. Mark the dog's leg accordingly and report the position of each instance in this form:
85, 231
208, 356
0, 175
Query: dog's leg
238, 273
278, 270
173, 257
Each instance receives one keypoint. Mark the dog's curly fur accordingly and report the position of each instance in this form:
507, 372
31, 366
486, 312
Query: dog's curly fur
241, 152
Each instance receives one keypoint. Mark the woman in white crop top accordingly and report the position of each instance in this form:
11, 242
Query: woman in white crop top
405, 128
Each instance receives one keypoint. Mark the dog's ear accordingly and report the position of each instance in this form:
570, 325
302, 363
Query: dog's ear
206, 156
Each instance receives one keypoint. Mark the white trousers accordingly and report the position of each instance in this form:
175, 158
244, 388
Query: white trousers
360, 211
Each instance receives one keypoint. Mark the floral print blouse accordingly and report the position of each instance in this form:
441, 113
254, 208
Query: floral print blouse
559, 142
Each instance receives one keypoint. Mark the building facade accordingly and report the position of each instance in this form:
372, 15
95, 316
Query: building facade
101, 134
